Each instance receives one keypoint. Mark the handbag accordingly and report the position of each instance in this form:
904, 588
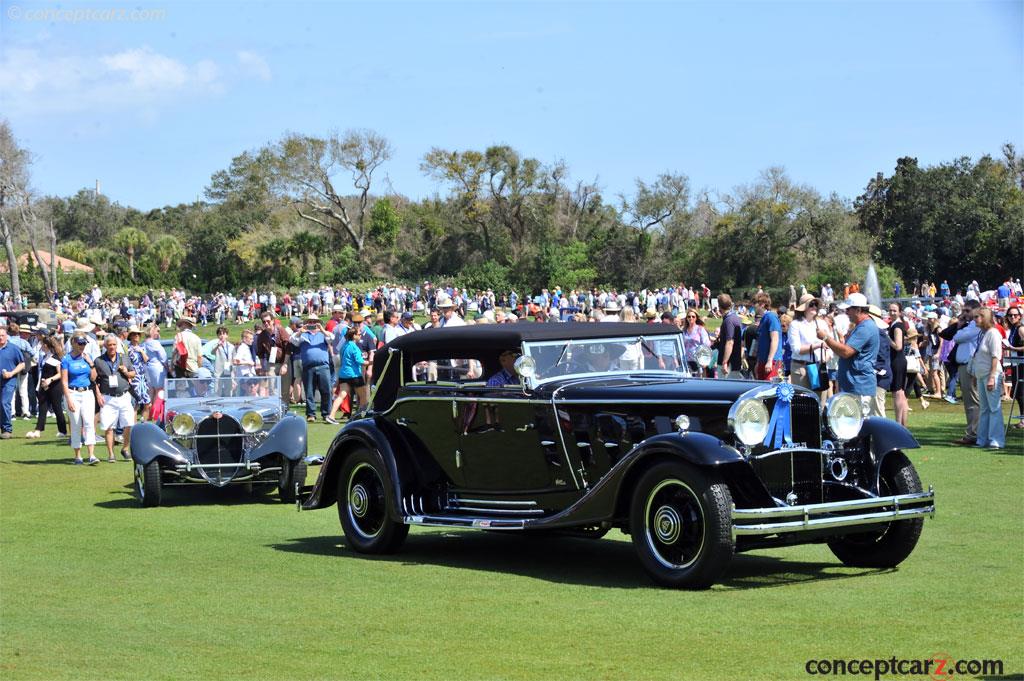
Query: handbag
913, 364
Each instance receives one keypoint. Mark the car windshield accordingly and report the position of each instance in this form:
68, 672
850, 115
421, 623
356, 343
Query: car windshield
555, 359
251, 387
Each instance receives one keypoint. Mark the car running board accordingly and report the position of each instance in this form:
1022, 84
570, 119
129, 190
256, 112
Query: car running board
457, 521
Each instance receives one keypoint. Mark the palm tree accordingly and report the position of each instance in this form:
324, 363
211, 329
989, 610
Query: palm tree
73, 250
100, 259
167, 252
304, 244
131, 241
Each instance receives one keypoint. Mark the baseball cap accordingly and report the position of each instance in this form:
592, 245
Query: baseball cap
855, 300
407, 315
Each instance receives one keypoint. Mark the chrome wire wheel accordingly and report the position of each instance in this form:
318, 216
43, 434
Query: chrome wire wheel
674, 524
140, 481
366, 502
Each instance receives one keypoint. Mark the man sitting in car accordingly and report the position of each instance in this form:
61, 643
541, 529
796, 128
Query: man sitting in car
507, 375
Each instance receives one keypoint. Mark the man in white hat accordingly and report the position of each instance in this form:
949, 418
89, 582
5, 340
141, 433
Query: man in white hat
611, 311
449, 317
857, 353
187, 349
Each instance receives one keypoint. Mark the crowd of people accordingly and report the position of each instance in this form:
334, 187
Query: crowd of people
105, 363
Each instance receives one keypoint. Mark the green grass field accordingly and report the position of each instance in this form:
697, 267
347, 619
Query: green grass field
219, 584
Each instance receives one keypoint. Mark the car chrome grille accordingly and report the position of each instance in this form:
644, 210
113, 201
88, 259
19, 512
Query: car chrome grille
218, 443
798, 471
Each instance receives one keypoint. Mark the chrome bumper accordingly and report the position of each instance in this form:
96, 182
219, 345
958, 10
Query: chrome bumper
786, 519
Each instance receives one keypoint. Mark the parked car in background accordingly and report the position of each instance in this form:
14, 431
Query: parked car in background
220, 432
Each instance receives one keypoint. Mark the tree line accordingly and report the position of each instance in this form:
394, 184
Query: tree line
305, 210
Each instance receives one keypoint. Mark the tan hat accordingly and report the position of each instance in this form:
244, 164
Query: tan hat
84, 325
876, 314
804, 300
912, 332
134, 329
186, 320
311, 318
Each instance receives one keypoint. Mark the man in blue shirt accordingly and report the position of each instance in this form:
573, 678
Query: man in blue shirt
507, 375
857, 353
769, 340
11, 365
313, 343
966, 336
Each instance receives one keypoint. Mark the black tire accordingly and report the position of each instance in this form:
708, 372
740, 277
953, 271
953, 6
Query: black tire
890, 544
292, 473
680, 522
365, 506
148, 484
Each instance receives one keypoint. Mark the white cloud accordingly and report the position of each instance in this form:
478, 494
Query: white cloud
254, 64
38, 81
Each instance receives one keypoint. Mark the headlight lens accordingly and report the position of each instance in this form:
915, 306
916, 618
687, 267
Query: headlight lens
183, 424
252, 421
749, 421
844, 416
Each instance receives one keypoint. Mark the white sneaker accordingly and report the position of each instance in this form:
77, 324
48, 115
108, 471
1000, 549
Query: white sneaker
32, 434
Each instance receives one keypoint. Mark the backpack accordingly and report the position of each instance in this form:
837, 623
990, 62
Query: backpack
180, 357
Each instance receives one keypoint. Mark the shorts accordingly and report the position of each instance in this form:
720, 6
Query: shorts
117, 412
766, 372
356, 382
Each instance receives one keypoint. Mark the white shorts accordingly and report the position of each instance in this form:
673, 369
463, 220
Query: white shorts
117, 412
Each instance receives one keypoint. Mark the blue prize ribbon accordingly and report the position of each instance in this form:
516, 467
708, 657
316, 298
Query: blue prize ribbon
778, 427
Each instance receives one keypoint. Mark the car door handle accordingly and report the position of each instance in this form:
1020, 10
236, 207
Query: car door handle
402, 421
523, 429
547, 443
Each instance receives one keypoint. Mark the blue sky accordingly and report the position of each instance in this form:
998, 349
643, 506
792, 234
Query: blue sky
832, 91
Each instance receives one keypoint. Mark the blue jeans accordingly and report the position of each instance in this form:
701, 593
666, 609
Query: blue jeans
317, 378
990, 413
8, 386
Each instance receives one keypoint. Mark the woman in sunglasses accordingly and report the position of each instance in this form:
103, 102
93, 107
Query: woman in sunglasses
1015, 350
78, 375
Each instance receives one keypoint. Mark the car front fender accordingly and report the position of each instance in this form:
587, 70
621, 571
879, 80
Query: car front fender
883, 437
362, 433
287, 438
603, 501
149, 442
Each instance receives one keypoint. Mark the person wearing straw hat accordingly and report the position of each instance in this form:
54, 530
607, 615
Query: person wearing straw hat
449, 317
137, 356
809, 353
187, 349
883, 367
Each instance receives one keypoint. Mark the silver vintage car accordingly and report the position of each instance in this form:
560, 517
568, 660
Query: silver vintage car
220, 431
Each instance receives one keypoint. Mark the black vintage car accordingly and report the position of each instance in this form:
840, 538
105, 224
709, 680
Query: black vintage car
601, 426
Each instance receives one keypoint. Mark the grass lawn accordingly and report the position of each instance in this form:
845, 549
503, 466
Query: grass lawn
220, 584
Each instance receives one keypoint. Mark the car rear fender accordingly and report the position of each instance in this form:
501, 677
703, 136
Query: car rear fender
287, 438
149, 442
368, 434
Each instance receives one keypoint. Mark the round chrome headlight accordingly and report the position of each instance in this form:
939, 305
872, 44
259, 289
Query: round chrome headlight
183, 424
844, 416
252, 421
526, 366
749, 421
